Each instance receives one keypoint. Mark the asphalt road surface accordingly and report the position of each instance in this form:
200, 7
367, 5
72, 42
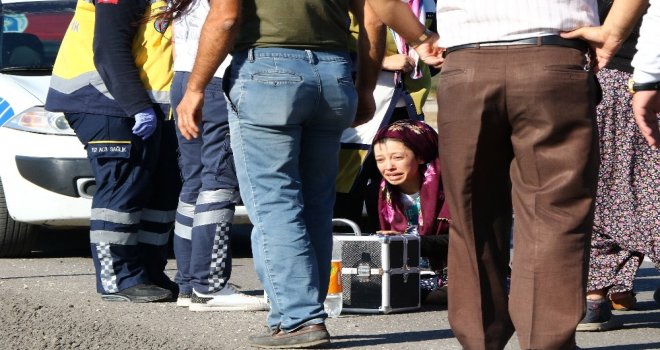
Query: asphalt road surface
49, 301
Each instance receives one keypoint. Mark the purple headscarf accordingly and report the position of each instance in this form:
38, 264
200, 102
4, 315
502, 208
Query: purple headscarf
434, 213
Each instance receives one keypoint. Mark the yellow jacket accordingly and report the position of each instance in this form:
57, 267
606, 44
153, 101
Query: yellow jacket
91, 76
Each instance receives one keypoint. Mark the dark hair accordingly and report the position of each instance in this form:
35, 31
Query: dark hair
175, 9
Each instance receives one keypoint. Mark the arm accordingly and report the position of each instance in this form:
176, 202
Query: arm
646, 107
606, 40
371, 49
397, 62
646, 104
397, 14
217, 37
114, 31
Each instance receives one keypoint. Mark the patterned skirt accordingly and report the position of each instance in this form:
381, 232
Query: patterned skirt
627, 211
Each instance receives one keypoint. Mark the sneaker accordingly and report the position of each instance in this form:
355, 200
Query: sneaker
141, 293
226, 299
625, 301
183, 300
598, 317
304, 337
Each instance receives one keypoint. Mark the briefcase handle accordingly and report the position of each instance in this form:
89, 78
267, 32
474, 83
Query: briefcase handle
349, 223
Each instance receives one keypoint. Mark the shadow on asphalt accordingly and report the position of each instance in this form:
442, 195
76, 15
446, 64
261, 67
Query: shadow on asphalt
51, 243
628, 347
650, 320
360, 340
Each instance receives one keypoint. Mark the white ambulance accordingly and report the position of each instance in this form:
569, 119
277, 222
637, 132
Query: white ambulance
45, 178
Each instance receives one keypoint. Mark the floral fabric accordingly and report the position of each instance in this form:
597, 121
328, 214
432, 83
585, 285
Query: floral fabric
627, 211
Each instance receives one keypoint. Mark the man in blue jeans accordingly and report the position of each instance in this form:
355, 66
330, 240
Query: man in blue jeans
290, 96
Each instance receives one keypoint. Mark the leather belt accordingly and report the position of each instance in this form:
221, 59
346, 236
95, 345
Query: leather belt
554, 40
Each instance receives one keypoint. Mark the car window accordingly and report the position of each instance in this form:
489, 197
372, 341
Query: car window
32, 33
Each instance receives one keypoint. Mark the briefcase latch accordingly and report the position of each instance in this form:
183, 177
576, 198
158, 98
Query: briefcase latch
363, 271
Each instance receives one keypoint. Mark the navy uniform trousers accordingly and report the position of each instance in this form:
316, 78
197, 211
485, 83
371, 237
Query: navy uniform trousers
202, 233
133, 209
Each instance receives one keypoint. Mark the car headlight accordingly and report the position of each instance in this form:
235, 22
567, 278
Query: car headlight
37, 119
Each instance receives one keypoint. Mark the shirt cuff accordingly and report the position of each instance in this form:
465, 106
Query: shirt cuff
642, 77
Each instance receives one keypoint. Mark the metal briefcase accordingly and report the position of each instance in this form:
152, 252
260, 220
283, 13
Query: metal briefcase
380, 273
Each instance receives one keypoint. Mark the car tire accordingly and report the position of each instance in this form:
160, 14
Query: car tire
16, 238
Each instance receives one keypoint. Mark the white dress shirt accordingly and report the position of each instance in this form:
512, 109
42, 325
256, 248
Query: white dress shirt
187, 30
474, 21
647, 58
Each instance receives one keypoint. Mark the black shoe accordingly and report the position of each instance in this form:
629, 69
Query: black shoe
171, 286
141, 293
598, 317
304, 337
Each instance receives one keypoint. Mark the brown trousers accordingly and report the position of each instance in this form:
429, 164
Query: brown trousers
516, 129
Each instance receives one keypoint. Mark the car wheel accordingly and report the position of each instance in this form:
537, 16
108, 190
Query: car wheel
16, 238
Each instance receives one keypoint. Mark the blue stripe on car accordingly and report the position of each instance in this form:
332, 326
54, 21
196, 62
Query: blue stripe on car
6, 112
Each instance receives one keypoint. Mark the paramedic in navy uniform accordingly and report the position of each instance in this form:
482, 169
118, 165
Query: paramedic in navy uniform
111, 79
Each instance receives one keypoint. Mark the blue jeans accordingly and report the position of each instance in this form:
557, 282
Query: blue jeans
287, 110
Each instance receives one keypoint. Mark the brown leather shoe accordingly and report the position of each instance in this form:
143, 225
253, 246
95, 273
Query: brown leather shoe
309, 336
625, 301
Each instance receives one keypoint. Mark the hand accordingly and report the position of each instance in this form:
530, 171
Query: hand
400, 62
429, 52
389, 232
189, 114
646, 107
603, 43
145, 123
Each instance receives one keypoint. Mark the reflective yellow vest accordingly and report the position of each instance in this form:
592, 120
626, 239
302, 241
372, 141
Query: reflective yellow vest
152, 48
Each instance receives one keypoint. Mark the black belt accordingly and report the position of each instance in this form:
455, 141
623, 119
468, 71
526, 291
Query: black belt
554, 40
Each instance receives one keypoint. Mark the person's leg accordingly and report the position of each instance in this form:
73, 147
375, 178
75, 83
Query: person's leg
319, 153
158, 214
624, 218
475, 152
266, 121
123, 167
190, 167
211, 260
612, 270
553, 175
214, 210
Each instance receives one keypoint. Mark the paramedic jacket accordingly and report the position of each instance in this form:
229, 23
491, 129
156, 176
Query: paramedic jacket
118, 66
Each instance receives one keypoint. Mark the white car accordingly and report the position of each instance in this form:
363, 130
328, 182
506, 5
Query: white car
45, 177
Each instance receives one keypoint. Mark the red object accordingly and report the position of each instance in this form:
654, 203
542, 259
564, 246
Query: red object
113, 2
49, 26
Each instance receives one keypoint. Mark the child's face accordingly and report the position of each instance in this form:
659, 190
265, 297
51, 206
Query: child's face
398, 165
